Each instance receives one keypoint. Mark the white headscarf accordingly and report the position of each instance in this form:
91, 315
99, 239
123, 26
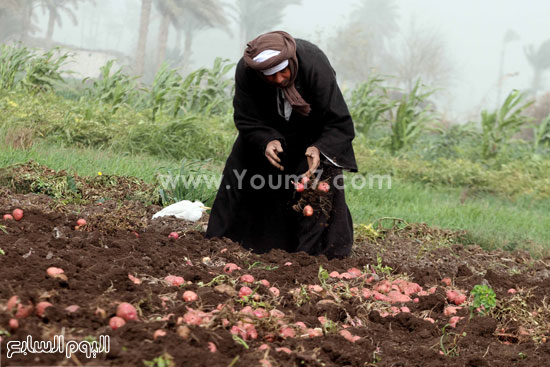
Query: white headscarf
267, 54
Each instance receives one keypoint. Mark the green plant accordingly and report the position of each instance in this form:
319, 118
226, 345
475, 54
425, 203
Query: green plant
500, 125
2, 251
484, 299
206, 91
380, 269
541, 134
241, 341
112, 88
368, 103
164, 89
165, 360
20, 66
410, 118
192, 182
43, 71
323, 276
12, 63
452, 349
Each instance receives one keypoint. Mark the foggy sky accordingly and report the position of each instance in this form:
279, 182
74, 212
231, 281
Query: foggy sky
473, 31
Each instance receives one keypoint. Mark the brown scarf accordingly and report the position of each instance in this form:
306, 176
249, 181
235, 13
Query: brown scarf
283, 42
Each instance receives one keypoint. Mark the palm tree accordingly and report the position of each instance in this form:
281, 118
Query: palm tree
509, 36
208, 12
143, 32
539, 61
256, 17
55, 9
190, 25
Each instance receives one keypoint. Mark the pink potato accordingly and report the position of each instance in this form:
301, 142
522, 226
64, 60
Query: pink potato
159, 333
81, 222
190, 296
283, 350
247, 278
212, 347
174, 235
116, 322
454, 320
287, 332
174, 280
230, 267
349, 336
397, 297
446, 281
323, 187
41, 308
275, 291
126, 311
72, 308
300, 187
17, 214
245, 291
8, 217
512, 291
14, 324
451, 310
455, 297
21, 311
265, 282
308, 211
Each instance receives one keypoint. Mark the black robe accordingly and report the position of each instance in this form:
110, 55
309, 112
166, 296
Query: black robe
262, 218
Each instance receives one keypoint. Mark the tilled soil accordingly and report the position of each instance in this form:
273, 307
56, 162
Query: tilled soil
343, 323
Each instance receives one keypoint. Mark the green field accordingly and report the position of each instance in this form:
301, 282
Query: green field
476, 177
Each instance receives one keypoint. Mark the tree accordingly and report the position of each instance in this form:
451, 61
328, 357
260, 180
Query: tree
190, 25
508, 37
539, 61
360, 47
257, 17
420, 54
143, 32
54, 8
172, 11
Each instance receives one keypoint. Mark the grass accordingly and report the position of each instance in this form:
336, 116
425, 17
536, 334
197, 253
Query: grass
492, 221
89, 162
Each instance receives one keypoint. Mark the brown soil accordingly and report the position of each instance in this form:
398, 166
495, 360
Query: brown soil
121, 239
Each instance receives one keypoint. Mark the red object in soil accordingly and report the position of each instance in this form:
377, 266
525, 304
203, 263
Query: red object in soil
174, 235
8, 217
300, 187
41, 308
126, 311
17, 214
116, 322
81, 222
308, 211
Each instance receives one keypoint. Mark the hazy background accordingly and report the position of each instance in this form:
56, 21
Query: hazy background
475, 51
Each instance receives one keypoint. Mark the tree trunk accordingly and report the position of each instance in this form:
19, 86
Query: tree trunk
535, 86
143, 32
51, 25
187, 49
163, 39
